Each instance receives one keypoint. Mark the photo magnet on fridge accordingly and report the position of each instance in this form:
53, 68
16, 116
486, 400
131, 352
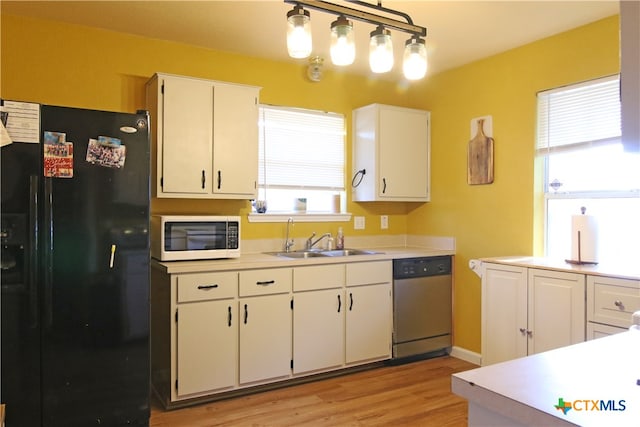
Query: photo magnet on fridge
107, 152
58, 155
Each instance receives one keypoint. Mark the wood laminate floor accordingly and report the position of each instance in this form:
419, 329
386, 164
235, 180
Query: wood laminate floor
413, 394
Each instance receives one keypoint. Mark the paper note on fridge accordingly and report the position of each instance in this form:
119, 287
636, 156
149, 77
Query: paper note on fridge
22, 121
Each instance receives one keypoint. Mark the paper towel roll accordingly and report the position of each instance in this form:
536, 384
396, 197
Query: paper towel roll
476, 266
584, 239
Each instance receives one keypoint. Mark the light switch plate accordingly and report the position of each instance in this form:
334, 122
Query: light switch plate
358, 223
384, 222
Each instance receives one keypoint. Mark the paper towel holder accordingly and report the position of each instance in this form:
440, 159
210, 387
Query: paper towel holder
579, 261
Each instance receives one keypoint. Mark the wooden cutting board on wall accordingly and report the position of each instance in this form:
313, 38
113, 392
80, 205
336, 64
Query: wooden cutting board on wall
480, 157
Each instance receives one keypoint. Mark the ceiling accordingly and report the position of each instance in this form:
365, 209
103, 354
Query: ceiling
458, 32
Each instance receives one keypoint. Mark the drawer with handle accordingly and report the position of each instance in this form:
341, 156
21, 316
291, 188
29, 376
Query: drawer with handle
265, 281
612, 301
207, 286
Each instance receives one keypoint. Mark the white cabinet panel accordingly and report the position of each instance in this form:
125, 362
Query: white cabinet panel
392, 146
204, 138
527, 311
265, 281
504, 313
556, 310
612, 301
368, 323
206, 286
318, 277
265, 338
186, 132
318, 330
203, 363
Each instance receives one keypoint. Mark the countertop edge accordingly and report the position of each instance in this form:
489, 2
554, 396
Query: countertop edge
520, 413
620, 271
263, 260
539, 380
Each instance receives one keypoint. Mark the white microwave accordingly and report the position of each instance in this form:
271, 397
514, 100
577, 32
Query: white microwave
182, 237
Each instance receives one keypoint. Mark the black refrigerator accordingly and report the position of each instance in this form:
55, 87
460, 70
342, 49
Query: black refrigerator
75, 267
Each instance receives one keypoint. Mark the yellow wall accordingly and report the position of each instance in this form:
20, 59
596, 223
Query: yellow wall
498, 219
62, 64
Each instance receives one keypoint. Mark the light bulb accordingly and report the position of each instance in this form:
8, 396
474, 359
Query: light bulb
343, 48
298, 33
380, 50
415, 59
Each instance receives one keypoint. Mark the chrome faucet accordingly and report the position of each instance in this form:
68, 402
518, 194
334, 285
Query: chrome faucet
288, 243
311, 243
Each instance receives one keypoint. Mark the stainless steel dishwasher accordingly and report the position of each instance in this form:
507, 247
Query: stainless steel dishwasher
421, 307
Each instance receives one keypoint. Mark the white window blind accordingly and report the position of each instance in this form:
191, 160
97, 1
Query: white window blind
585, 113
585, 165
301, 149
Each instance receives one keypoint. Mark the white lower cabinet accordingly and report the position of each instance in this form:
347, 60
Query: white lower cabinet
369, 312
265, 338
556, 312
596, 330
205, 316
318, 318
216, 332
528, 310
265, 325
318, 330
611, 303
203, 364
334, 326
368, 326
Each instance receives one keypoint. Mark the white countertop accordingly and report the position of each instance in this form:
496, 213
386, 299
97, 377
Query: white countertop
622, 269
527, 390
263, 260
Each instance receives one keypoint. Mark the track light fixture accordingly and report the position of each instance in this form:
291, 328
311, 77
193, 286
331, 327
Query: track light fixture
299, 43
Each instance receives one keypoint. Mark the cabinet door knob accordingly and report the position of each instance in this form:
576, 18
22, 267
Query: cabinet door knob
619, 304
530, 333
523, 331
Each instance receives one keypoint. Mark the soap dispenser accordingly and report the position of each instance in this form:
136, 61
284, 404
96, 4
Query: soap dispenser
340, 239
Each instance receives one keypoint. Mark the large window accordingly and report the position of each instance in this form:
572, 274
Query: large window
587, 166
301, 157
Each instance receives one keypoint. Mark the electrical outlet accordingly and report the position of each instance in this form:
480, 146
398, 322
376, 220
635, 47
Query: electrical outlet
384, 222
358, 223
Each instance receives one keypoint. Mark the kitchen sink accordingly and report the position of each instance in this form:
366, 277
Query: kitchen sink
348, 252
298, 254
322, 253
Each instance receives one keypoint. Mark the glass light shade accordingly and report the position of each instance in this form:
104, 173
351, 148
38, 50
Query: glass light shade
380, 51
299, 33
414, 63
343, 47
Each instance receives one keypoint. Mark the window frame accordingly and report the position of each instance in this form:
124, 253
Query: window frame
543, 152
309, 216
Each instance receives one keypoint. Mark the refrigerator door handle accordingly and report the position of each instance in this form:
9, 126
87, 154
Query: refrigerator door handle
33, 251
113, 254
48, 252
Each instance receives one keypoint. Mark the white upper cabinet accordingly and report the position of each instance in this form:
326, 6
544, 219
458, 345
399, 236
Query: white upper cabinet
206, 138
391, 154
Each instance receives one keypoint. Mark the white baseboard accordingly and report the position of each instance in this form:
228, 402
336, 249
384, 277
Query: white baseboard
466, 355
